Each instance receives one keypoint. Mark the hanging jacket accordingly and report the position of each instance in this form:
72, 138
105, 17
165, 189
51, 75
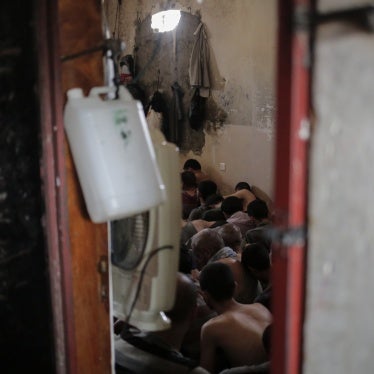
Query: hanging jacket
199, 62
199, 78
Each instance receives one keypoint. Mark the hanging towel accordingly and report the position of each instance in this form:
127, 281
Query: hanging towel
158, 109
199, 62
154, 119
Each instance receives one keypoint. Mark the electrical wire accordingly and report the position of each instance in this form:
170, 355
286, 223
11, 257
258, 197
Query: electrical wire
142, 273
116, 22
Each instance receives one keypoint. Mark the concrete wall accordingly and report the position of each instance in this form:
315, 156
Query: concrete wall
339, 330
242, 40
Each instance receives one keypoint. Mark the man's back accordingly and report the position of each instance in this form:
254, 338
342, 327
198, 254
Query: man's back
238, 332
245, 195
248, 287
243, 221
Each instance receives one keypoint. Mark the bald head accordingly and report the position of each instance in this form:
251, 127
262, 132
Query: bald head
185, 299
231, 235
204, 245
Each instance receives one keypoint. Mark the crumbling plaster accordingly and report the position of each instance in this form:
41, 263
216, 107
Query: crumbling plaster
242, 38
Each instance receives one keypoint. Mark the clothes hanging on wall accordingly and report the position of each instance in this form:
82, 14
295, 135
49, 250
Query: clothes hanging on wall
199, 78
127, 69
197, 110
158, 114
199, 62
127, 66
154, 119
176, 115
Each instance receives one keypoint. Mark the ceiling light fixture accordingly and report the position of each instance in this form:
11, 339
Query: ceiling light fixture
166, 20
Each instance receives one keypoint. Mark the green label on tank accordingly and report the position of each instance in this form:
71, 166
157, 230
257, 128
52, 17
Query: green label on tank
122, 125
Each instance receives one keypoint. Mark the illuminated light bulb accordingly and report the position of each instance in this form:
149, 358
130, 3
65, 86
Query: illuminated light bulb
165, 21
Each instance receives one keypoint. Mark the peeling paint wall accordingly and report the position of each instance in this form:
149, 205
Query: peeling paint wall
339, 329
242, 39
163, 59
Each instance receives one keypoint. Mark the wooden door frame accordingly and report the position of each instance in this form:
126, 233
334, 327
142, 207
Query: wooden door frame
75, 246
54, 182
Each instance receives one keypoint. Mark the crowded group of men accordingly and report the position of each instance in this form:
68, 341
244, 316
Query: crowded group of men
221, 320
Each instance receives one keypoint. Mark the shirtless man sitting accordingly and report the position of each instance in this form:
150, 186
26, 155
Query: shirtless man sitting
238, 328
193, 165
248, 193
248, 287
244, 193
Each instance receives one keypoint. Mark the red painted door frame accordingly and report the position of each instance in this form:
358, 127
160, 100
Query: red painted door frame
291, 165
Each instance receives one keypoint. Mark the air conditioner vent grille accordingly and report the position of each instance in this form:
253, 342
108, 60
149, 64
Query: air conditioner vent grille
128, 240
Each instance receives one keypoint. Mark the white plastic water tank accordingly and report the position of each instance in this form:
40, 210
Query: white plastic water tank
113, 154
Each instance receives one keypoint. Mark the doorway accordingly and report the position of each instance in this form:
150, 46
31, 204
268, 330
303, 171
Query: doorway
289, 196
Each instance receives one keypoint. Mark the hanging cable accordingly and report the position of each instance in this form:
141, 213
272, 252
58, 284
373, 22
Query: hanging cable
104, 20
111, 55
142, 273
117, 18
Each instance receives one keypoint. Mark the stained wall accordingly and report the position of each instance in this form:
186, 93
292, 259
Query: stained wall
339, 331
241, 35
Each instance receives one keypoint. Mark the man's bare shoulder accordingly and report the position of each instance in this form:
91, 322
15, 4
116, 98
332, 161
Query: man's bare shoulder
255, 310
258, 312
213, 325
244, 194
